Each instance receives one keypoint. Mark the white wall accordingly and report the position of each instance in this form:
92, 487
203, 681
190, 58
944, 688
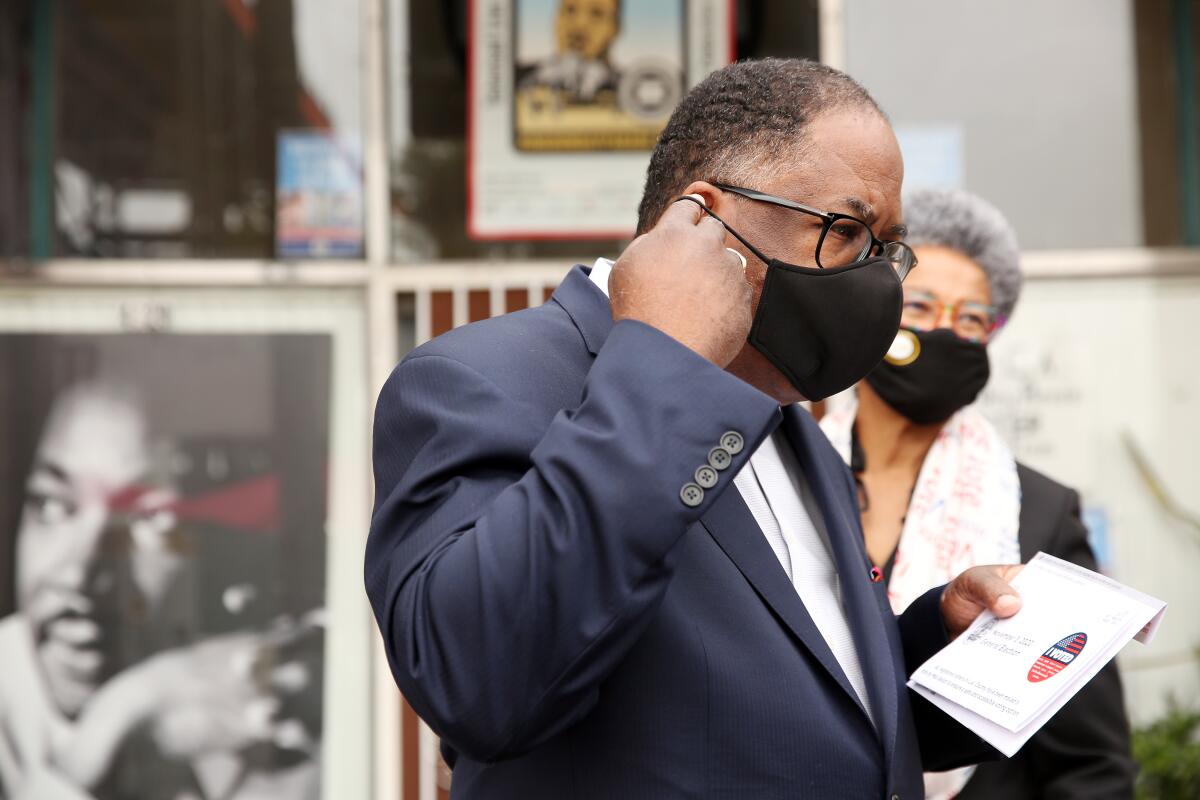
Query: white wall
1043, 93
1083, 365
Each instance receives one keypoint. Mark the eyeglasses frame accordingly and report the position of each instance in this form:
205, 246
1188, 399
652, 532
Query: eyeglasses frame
955, 309
828, 218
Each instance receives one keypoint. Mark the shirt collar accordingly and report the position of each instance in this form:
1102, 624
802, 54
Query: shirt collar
600, 272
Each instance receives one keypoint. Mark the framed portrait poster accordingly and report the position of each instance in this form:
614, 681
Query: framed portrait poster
182, 509
565, 101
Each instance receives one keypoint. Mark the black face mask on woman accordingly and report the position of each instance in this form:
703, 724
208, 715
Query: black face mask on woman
928, 375
824, 329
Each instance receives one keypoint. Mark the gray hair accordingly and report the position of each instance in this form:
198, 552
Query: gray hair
965, 222
743, 121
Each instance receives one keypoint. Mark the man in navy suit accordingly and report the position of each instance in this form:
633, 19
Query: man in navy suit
610, 557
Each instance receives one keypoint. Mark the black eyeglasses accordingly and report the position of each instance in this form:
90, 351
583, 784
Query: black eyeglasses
842, 240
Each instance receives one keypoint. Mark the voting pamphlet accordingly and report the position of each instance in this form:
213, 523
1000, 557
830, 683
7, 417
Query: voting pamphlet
1005, 678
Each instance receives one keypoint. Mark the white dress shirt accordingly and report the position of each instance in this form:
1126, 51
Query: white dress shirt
774, 488
779, 497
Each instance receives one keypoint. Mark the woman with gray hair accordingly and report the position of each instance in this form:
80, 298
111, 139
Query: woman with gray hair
940, 491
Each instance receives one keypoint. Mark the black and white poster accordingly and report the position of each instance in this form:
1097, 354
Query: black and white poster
163, 500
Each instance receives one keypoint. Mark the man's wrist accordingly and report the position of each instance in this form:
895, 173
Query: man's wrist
117, 710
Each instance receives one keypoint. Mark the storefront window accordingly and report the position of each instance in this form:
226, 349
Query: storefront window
14, 229
544, 155
1168, 41
194, 128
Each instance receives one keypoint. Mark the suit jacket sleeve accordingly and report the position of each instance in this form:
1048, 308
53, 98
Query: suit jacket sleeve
944, 742
507, 583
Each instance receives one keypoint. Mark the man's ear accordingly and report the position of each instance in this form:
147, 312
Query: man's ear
719, 201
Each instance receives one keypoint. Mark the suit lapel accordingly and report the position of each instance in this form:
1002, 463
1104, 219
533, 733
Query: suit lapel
861, 605
736, 532
587, 307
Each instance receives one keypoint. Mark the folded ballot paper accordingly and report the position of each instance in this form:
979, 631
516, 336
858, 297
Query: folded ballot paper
1005, 678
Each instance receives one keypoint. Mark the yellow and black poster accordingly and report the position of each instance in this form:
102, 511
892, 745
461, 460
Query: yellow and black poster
595, 74
567, 100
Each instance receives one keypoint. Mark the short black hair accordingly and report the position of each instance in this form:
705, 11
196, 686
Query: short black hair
740, 119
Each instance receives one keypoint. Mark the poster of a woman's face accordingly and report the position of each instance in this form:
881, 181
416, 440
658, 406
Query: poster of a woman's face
162, 509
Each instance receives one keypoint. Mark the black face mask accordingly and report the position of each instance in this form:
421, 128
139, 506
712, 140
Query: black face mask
824, 329
928, 375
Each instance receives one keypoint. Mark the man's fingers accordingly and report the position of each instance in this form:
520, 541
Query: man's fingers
1006, 605
712, 228
740, 258
976, 589
10, 767
684, 212
989, 588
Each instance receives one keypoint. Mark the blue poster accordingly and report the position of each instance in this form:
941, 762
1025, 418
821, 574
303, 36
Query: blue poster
319, 196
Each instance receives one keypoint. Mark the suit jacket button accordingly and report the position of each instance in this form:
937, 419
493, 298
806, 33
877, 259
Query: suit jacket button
691, 494
733, 442
706, 476
719, 458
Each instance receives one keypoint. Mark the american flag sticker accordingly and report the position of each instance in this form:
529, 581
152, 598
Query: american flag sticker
1056, 657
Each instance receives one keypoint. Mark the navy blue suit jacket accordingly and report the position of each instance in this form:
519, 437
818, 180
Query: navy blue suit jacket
572, 628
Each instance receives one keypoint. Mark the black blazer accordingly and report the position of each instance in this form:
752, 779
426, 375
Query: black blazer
1083, 752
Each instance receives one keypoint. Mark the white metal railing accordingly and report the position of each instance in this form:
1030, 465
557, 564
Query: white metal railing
1037, 264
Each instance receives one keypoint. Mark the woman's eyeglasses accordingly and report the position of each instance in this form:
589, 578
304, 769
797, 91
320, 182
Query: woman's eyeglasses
969, 320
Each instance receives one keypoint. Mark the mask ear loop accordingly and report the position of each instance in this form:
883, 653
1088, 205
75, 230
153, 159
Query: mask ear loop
725, 224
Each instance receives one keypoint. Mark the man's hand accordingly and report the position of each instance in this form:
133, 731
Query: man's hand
42, 783
680, 278
976, 589
193, 700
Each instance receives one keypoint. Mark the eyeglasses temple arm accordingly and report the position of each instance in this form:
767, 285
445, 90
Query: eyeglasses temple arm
732, 232
782, 202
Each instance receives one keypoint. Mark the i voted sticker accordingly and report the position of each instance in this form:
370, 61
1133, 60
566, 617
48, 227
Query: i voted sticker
1057, 657
904, 350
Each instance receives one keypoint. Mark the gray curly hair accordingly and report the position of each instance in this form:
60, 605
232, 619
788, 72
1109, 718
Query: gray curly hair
967, 223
